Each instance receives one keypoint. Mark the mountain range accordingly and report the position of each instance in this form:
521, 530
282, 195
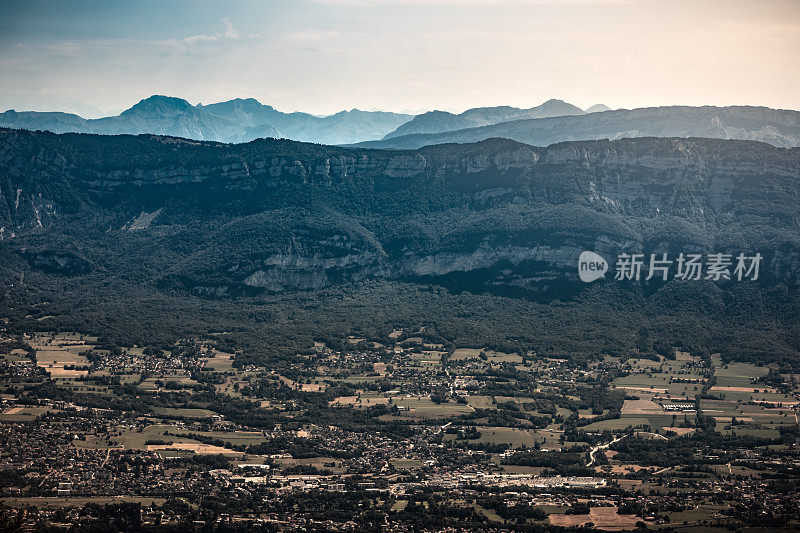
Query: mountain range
145, 234
238, 120
775, 126
243, 120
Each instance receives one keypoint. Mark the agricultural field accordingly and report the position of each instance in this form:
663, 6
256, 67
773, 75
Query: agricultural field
602, 517
60, 355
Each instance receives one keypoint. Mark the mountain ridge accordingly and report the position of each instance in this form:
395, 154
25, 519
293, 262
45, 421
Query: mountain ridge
780, 127
238, 120
441, 121
92, 226
245, 119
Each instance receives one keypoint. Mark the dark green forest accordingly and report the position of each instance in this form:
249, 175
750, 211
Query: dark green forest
270, 245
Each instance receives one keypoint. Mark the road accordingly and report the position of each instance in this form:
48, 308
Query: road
601, 447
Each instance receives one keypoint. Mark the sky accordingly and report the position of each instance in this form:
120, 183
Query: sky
322, 56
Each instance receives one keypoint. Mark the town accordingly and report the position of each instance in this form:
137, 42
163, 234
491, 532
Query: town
393, 434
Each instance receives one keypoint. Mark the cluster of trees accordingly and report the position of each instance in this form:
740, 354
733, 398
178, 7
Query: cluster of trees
702, 447
538, 458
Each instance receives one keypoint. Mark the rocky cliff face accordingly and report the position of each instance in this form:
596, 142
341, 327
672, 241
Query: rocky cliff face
280, 216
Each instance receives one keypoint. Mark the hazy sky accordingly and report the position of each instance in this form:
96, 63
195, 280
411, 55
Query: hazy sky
322, 56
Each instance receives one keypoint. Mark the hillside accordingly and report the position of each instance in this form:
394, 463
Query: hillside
774, 126
478, 240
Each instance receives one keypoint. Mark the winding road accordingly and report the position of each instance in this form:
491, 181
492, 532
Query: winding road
601, 447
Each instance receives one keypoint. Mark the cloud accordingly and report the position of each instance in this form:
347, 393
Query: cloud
228, 33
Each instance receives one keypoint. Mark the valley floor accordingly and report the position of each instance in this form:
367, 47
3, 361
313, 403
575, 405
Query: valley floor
399, 435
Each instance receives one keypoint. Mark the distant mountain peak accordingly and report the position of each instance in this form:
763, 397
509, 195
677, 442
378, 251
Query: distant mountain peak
598, 108
442, 121
246, 104
245, 101
159, 105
